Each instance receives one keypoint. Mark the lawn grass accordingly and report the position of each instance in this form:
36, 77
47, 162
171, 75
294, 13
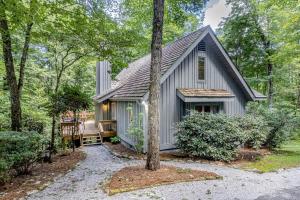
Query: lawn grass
287, 156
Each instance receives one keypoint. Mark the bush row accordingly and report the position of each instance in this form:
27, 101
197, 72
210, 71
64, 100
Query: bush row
18, 152
218, 137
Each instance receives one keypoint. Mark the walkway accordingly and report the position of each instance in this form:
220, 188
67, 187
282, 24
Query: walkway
85, 181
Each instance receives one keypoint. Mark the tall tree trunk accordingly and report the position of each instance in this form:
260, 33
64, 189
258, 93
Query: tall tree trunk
153, 161
15, 86
15, 104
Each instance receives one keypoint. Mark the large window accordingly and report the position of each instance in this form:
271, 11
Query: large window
201, 68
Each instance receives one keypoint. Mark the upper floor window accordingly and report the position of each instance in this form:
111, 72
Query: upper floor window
201, 68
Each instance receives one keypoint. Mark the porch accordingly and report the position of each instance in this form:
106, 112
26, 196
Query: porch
85, 132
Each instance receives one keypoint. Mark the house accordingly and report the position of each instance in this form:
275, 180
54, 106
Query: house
197, 73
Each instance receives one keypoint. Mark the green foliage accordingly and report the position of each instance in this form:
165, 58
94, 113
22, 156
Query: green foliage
280, 120
209, 136
115, 140
179, 17
72, 98
136, 131
255, 130
18, 152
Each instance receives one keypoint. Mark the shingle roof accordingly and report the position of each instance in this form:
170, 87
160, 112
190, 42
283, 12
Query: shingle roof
133, 81
192, 92
138, 82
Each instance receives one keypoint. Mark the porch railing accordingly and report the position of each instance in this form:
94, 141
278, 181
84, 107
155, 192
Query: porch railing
107, 128
66, 128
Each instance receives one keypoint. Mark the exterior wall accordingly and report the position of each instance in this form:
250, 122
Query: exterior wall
185, 76
123, 120
103, 78
101, 113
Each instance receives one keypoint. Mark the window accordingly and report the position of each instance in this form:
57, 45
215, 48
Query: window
207, 108
201, 68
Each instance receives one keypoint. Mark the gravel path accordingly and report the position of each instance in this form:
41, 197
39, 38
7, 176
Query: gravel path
85, 182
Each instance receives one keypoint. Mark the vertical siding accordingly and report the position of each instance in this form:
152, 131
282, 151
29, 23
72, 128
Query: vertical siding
103, 77
185, 76
123, 118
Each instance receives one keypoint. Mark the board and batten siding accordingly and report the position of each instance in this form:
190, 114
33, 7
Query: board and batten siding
123, 120
185, 76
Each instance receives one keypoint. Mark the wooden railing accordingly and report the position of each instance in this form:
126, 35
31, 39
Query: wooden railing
66, 128
107, 128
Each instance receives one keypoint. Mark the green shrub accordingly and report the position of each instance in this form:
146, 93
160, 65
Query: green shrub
115, 140
18, 152
281, 121
35, 121
209, 136
136, 131
254, 129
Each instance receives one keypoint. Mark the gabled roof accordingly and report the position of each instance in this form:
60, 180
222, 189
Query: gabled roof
133, 82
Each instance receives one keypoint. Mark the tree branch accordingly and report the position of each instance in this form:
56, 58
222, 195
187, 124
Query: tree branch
25, 48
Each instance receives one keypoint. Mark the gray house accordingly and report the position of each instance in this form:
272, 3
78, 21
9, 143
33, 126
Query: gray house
197, 73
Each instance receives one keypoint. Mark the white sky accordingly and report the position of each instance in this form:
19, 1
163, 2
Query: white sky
215, 11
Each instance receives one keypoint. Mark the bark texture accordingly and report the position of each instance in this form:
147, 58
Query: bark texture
15, 86
153, 160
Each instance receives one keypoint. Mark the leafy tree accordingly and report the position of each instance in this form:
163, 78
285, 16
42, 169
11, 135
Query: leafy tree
13, 16
179, 17
246, 36
72, 98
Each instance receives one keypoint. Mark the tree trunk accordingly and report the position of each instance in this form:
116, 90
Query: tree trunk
15, 87
270, 84
15, 104
52, 142
153, 161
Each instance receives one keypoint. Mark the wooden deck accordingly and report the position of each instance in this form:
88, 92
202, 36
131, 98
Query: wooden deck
86, 132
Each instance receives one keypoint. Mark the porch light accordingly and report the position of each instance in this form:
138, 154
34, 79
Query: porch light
104, 106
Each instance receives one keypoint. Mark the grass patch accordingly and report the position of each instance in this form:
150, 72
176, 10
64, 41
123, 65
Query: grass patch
137, 177
287, 156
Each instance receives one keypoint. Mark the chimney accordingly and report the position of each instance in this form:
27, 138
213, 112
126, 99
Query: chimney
103, 77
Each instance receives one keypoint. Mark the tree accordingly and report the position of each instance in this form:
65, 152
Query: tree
246, 36
72, 98
15, 85
153, 161
180, 17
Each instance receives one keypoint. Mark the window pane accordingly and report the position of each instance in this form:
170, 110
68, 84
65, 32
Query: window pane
201, 68
198, 108
215, 109
206, 108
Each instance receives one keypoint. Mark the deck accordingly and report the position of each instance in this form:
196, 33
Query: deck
86, 133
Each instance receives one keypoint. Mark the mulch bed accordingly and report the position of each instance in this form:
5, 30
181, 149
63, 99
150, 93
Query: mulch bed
137, 177
42, 175
245, 155
121, 151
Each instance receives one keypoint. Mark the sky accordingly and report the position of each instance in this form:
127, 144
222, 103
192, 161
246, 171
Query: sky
215, 11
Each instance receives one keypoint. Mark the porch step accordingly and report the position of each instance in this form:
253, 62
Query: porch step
91, 140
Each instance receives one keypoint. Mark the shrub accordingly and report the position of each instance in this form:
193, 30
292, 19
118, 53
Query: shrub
210, 136
35, 121
281, 120
115, 140
18, 152
254, 129
136, 131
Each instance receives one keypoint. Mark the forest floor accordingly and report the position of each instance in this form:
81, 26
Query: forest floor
88, 179
42, 175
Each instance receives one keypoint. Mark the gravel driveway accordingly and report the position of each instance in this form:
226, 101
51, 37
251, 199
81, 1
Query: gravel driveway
84, 182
